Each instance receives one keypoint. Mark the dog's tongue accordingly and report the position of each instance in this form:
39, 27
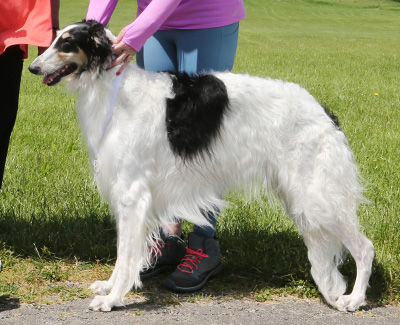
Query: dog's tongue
49, 78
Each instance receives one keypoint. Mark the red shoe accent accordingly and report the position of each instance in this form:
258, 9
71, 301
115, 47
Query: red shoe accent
158, 249
192, 257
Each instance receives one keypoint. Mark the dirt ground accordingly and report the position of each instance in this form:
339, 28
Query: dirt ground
213, 311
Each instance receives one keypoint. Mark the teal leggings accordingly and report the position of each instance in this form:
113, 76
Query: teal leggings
191, 51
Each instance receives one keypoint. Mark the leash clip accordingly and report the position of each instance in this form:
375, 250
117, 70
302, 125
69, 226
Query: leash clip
96, 165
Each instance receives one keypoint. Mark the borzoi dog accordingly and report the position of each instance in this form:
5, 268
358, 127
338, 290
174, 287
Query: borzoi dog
168, 145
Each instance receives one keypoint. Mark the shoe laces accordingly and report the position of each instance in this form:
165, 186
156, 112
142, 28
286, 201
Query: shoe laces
158, 249
191, 259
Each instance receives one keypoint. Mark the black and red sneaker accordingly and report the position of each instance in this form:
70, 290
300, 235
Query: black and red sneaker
169, 252
201, 262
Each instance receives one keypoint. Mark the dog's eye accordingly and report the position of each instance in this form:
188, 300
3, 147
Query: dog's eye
67, 46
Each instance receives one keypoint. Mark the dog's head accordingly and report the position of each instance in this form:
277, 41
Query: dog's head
79, 47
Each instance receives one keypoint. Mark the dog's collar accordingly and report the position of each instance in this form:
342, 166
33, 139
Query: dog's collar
113, 99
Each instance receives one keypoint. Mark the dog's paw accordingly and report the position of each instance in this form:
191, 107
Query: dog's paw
104, 303
101, 288
349, 302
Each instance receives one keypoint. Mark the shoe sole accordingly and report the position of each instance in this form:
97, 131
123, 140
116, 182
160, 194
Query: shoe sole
171, 285
161, 269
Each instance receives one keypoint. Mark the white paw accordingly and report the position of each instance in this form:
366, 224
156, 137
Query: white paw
104, 303
101, 288
349, 302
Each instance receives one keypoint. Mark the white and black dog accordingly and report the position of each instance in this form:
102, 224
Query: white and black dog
169, 145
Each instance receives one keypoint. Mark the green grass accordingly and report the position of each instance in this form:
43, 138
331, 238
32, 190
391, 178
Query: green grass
54, 229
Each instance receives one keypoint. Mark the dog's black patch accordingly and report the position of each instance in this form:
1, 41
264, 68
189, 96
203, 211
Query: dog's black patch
333, 117
194, 116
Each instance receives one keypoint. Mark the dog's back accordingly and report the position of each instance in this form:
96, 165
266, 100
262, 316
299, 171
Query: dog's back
268, 132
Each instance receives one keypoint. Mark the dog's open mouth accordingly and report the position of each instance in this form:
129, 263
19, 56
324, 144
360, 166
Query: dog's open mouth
55, 77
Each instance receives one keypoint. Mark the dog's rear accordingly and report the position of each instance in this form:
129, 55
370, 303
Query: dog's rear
307, 161
175, 143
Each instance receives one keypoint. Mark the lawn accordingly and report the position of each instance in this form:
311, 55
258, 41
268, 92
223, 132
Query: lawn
56, 235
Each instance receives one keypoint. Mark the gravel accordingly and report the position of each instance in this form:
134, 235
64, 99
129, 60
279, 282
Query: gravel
213, 311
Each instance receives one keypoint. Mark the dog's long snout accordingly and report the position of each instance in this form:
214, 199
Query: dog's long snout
34, 69
36, 66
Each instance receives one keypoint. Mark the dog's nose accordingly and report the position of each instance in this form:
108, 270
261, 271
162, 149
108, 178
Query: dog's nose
33, 69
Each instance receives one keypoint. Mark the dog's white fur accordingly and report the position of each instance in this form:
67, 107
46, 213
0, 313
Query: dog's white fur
275, 134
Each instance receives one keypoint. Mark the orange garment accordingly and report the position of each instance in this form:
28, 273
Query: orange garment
24, 22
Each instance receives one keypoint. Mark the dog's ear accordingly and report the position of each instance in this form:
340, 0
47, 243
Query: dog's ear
101, 43
98, 33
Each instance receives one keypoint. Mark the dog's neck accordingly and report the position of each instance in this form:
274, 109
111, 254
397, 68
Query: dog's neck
97, 98
95, 91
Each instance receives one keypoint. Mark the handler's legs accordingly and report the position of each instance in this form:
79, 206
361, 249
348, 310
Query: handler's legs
192, 51
10, 78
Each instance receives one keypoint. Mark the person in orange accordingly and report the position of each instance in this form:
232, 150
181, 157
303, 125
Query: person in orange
22, 23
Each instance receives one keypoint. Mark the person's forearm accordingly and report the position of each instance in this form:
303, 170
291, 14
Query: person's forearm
148, 22
101, 10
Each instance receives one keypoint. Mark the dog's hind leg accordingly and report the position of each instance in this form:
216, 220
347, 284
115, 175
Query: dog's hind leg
132, 226
323, 199
329, 224
325, 254
362, 250
327, 228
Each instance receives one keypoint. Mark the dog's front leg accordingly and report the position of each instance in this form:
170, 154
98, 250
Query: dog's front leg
103, 288
131, 212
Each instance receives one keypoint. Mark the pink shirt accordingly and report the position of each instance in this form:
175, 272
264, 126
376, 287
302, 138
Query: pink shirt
156, 15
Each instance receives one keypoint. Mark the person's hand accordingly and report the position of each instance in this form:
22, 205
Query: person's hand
124, 53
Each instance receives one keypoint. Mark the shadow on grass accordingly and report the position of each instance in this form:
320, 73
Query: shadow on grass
8, 303
90, 238
277, 264
255, 259
259, 261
